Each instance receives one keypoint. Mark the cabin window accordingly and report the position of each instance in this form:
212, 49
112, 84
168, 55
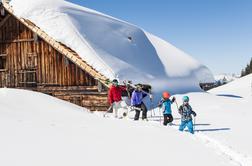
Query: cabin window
2, 61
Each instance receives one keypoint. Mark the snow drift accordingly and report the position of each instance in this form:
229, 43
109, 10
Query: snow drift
115, 48
37, 129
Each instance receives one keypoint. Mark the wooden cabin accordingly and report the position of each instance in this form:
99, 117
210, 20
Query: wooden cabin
30, 59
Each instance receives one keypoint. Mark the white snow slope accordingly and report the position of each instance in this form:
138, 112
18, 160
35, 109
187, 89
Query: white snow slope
102, 41
37, 129
40, 130
240, 88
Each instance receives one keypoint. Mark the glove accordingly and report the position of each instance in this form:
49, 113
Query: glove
194, 114
173, 99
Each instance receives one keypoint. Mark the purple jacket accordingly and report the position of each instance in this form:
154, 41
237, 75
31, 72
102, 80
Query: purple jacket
137, 97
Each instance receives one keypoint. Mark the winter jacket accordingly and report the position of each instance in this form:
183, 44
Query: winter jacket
186, 112
166, 106
115, 93
137, 97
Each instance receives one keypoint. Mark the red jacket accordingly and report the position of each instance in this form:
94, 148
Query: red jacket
115, 93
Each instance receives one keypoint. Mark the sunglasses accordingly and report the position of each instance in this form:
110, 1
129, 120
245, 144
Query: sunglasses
115, 83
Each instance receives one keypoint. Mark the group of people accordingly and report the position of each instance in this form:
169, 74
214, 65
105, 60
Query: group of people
137, 104
116, 102
185, 110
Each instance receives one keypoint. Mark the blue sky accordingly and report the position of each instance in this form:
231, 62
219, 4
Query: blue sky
218, 33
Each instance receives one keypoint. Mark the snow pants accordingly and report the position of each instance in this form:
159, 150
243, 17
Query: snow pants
168, 118
188, 124
120, 108
144, 111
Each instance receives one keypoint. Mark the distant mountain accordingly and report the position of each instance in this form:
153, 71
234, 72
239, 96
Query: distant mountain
225, 78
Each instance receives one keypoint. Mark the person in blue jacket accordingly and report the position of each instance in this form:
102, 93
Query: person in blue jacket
186, 112
165, 104
137, 101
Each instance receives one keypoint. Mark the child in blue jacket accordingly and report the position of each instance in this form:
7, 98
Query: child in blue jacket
165, 104
186, 112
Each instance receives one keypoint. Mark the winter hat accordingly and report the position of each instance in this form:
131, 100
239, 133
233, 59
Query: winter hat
139, 86
115, 82
166, 95
185, 99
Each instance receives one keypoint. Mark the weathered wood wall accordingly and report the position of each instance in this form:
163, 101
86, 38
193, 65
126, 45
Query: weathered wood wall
26, 52
32, 63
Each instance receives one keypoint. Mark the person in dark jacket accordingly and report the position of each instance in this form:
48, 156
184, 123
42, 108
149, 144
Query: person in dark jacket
186, 112
137, 101
165, 105
115, 97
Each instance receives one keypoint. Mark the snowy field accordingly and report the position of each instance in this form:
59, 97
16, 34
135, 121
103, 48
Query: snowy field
40, 130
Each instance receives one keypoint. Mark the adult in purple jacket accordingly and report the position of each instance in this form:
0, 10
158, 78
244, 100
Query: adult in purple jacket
137, 101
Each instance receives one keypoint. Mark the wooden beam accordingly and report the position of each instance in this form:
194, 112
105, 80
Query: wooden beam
17, 41
27, 82
4, 20
28, 71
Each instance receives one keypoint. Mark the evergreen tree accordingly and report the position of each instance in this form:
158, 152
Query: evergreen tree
242, 73
250, 65
247, 70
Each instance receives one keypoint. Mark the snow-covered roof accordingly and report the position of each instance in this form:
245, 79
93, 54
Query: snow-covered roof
115, 48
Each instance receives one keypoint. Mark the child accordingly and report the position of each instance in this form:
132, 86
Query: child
165, 104
186, 112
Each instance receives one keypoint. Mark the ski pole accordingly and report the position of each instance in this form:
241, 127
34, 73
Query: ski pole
176, 104
159, 115
108, 110
194, 121
151, 108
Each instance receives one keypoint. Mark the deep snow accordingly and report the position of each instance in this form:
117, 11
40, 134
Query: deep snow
103, 42
37, 129
40, 130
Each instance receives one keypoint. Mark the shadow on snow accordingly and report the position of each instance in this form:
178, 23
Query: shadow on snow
207, 130
227, 95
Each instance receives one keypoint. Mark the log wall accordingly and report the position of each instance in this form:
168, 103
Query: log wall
26, 61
